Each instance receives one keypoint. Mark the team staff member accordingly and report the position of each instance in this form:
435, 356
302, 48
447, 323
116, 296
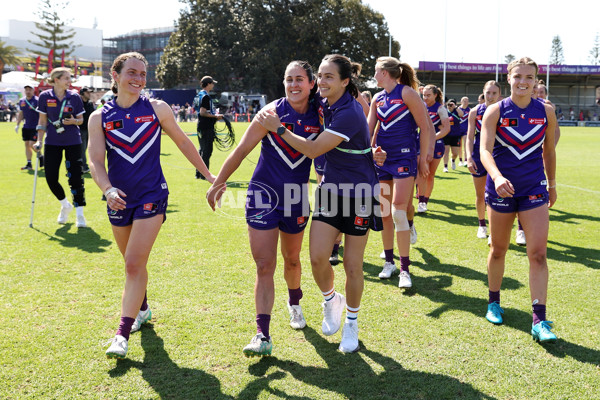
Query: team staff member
395, 113
517, 144
452, 139
206, 120
434, 101
60, 115
28, 112
346, 200
491, 91
126, 132
278, 166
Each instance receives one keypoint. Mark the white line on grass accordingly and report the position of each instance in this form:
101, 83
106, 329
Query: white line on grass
578, 188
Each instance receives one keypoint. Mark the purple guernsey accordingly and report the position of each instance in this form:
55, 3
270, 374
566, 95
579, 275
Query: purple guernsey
520, 134
133, 151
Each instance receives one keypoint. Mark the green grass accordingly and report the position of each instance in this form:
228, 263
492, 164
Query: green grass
60, 291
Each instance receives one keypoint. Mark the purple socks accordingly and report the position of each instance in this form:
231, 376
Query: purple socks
125, 327
262, 324
482, 222
294, 296
144, 306
404, 263
494, 297
539, 313
389, 255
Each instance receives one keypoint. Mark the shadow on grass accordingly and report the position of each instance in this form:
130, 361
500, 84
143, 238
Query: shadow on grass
557, 215
165, 377
435, 288
432, 263
569, 254
352, 377
84, 239
41, 173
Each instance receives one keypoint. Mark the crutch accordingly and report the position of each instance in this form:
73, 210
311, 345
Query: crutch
37, 164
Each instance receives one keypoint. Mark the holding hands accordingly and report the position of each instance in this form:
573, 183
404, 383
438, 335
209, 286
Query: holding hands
114, 198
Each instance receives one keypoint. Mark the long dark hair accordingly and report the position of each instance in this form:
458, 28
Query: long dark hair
309, 74
117, 65
439, 96
347, 70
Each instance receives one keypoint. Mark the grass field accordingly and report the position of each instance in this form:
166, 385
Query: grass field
60, 291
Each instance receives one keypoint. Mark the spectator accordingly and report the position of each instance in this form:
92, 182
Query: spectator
88, 106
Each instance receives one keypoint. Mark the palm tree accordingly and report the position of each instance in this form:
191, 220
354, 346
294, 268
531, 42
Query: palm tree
8, 55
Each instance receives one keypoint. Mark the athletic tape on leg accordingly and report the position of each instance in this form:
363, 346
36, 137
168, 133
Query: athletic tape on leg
400, 220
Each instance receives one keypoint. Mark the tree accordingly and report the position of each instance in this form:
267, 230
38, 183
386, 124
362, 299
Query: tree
556, 52
509, 58
54, 35
594, 56
8, 56
248, 43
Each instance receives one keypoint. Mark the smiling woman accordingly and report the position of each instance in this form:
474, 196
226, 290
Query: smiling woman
280, 171
517, 145
60, 114
126, 131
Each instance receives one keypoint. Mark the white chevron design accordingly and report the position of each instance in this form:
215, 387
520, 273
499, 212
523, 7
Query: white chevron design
385, 127
527, 135
516, 152
282, 153
133, 160
134, 136
385, 114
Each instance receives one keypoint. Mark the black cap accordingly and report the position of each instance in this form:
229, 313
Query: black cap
85, 89
207, 80
27, 86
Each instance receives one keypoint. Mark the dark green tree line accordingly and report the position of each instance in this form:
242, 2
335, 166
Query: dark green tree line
246, 44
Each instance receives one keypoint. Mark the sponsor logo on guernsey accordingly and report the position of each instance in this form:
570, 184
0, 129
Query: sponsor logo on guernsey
535, 197
396, 101
112, 125
111, 114
143, 118
257, 221
479, 117
311, 129
381, 103
509, 122
522, 116
149, 207
301, 220
51, 103
543, 183
405, 150
163, 185
537, 121
403, 169
127, 116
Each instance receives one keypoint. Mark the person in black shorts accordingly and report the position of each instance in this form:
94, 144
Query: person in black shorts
206, 120
28, 113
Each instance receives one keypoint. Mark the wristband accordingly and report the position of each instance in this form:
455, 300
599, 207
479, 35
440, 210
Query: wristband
40, 128
552, 187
